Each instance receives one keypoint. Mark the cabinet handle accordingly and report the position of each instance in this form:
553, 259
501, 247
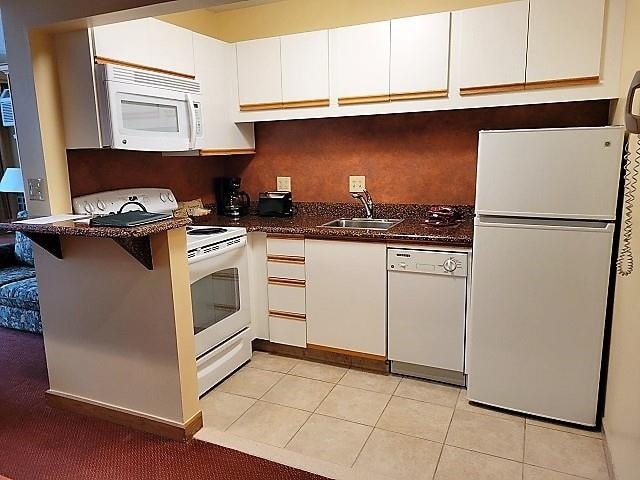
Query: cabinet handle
255, 107
564, 82
208, 152
419, 95
507, 87
301, 317
286, 282
364, 99
122, 63
286, 236
322, 102
285, 259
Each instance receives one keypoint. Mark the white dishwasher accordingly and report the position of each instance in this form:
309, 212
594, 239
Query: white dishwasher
427, 300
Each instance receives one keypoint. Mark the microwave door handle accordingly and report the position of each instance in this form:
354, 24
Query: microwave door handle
192, 121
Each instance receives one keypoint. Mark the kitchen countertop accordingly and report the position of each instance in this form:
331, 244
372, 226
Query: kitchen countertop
309, 216
82, 229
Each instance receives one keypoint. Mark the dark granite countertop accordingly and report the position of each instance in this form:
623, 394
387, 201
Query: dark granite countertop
309, 216
82, 229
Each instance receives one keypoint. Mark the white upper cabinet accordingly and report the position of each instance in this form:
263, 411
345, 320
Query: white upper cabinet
215, 68
147, 42
420, 56
259, 74
361, 62
493, 47
565, 40
305, 69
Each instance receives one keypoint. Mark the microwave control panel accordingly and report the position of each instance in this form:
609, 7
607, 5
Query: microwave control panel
198, 110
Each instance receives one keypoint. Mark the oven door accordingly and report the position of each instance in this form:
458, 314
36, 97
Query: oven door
152, 119
219, 296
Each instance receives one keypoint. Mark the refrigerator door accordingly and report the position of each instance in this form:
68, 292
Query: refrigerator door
537, 313
568, 173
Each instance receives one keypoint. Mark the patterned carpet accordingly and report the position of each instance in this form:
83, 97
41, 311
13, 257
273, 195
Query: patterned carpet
37, 442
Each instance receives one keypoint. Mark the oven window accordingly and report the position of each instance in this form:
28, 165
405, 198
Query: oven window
214, 298
150, 117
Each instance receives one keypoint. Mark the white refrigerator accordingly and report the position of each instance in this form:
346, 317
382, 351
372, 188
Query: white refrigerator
543, 233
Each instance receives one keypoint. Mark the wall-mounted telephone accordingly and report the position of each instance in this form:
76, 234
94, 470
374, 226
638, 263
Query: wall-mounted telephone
632, 169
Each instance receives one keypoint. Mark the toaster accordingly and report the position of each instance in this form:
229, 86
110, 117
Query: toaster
275, 204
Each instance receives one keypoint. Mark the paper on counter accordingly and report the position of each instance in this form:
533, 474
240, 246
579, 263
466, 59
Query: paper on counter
53, 219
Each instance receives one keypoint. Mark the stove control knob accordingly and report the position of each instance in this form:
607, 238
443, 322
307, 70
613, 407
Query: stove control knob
170, 197
163, 197
101, 205
88, 207
450, 265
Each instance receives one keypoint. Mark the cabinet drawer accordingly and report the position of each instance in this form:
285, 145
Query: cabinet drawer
288, 331
286, 267
288, 247
286, 297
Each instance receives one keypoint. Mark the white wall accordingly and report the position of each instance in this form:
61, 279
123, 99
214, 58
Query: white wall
622, 409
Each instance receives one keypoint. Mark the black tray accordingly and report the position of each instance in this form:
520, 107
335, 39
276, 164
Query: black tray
128, 219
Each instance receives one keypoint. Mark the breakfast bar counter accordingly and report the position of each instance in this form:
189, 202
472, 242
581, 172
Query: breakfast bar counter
82, 228
135, 240
118, 337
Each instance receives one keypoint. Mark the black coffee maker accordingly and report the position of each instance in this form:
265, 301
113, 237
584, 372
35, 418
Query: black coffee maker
230, 200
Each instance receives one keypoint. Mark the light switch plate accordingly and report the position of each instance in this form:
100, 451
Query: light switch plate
283, 184
36, 189
356, 183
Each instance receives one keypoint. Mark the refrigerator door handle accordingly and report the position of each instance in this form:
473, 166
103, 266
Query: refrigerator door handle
545, 224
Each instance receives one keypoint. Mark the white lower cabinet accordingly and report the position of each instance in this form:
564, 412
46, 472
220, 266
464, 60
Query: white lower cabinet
286, 290
346, 296
288, 331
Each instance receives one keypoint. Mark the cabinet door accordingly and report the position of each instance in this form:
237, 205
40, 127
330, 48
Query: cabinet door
215, 70
171, 47
305, 69
361, 62
565, 42
492, 47
420, 56
346, 292
259, 75
147, 42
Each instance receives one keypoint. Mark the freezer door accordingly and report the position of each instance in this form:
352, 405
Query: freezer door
549, 173
537, 313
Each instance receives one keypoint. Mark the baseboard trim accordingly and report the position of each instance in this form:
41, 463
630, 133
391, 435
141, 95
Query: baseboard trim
607, 452
341, 359
128, 419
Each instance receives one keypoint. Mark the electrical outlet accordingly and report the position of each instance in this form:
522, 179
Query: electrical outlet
356, 183
283, 184
36, 189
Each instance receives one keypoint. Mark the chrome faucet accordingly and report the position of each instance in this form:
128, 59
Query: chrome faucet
367, 202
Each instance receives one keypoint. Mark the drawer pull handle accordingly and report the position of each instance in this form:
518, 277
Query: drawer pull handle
286, 282
301, 317
285, 259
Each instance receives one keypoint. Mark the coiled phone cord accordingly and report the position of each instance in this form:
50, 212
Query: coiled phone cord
631, 172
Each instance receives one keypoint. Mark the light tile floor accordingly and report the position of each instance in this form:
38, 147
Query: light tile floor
344, 423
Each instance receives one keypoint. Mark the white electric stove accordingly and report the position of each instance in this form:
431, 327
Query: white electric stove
218, 273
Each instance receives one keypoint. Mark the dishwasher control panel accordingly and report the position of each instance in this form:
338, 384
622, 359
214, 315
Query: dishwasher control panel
427, 261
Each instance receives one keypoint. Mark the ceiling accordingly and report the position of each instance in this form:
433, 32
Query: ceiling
239, 4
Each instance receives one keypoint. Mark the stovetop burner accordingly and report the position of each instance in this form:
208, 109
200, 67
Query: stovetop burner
205, 231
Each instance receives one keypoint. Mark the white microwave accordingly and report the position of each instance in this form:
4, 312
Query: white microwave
143, 110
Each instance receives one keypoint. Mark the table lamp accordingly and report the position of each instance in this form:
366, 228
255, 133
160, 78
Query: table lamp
12, 183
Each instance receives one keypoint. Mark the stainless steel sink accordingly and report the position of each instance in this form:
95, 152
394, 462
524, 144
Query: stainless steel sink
364, 223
